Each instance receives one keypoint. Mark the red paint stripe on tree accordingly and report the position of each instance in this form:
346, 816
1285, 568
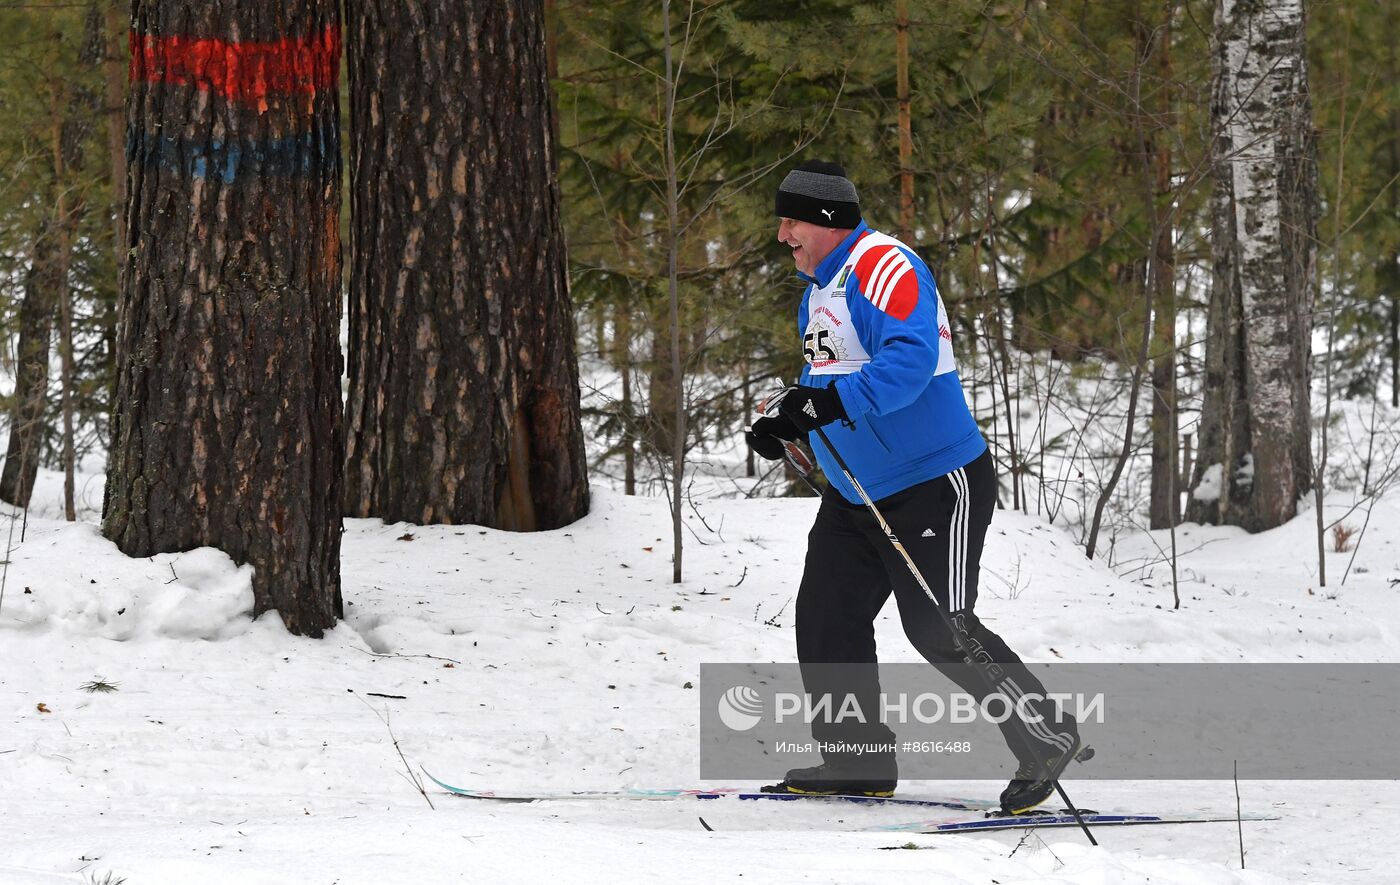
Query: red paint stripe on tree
246, 72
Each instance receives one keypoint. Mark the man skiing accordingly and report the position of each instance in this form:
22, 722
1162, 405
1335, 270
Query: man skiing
880, 382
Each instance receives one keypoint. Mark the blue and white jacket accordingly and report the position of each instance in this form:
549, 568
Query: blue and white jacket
871, 319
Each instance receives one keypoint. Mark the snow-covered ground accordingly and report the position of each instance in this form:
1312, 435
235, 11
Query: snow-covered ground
233, 752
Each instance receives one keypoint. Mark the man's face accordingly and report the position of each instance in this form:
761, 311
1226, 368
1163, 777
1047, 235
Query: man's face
810, 242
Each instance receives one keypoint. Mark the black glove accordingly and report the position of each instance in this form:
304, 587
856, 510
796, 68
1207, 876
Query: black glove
811, 407
767, 434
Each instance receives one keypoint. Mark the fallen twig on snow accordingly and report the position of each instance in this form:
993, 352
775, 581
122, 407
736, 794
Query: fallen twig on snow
376, 654
412, 778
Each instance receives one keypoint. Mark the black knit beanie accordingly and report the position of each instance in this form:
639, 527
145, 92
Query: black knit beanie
820, 193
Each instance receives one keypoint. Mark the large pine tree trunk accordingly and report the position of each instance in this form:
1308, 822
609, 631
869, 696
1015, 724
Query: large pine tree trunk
226, 425
1256, 457
463, 404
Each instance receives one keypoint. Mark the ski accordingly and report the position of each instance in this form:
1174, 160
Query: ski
717, 793
1051, 820
954, 804
991, 823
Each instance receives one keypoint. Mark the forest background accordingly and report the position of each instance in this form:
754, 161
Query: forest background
1058, 165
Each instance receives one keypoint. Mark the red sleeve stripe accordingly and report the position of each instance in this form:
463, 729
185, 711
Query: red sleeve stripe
884, 277
886, 281
889, 261
870, 262
890, 286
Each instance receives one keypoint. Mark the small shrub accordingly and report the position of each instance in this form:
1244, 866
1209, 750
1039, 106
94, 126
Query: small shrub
1341, 537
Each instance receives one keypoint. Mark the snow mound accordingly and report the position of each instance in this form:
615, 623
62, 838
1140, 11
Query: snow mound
69, 578
212, 598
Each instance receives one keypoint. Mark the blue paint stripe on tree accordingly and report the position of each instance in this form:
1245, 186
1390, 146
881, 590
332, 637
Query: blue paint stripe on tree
315, 153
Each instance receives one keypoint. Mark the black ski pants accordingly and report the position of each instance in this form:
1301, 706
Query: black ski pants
852, 569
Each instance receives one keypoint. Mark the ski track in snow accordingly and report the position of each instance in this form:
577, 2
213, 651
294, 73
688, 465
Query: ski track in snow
233, 752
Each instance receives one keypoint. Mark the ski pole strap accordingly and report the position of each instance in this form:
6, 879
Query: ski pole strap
769, 404
802, 464
800, 460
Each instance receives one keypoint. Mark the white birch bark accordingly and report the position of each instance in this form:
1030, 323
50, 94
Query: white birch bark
1264, 122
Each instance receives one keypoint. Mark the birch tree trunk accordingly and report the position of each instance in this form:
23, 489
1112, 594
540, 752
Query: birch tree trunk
1256, 458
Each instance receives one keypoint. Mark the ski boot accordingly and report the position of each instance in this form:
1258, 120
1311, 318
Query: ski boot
841, 779
1030, 787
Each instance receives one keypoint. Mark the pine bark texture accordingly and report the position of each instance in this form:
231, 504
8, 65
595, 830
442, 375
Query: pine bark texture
464, 400
227, 419
1255, 458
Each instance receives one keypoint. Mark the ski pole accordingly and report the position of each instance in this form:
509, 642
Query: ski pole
957, 633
